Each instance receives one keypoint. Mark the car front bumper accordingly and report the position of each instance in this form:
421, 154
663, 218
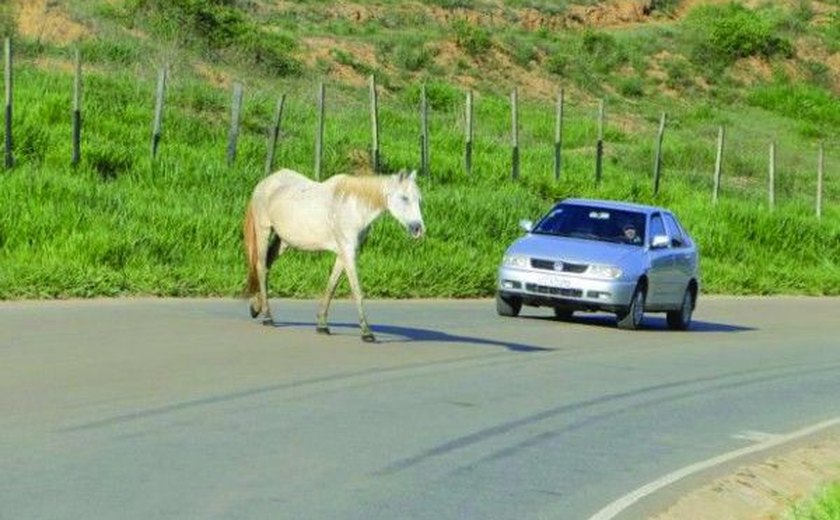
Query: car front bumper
545, 288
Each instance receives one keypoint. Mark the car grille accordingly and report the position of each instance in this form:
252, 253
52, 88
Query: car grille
538, 263
553, 291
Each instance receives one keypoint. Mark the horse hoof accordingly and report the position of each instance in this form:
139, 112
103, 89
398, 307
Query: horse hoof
268, 322
322, 330
368, 338
254, 312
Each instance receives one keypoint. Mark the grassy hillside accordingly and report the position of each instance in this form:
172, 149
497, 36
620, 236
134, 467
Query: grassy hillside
120, 223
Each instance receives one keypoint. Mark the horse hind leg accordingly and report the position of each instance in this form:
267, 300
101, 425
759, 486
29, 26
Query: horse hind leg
270, 247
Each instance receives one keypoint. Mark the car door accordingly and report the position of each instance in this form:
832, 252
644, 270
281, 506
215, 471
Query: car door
661, 270
684, 255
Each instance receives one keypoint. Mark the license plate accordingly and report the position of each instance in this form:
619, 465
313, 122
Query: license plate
554, 281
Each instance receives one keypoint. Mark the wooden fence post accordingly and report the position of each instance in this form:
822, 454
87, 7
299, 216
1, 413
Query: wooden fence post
8, 76
274, 134
657, 163
235, 114
558, 135
820, 164
77, 111
319, 134
374, 121
718, 164
424, 132
514, 121
468, 131
158, 121
771, 177
599, 146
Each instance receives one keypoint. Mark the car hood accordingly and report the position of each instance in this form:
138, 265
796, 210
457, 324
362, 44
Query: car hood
574, 250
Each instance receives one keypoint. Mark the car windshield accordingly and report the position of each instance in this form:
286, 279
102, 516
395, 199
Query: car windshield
593, 223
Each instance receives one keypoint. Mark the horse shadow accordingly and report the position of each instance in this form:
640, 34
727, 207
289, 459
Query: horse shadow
398, 334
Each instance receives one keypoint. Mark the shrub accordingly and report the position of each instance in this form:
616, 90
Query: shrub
664, 6
439, 95
270, 52
219, 25
602, 50
632, 87
679, 74
413, 55
731, 31
588, 58
521, 50
450, 4
557, 63
473, 39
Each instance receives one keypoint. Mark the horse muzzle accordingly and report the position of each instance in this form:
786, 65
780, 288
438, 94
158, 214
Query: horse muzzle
416, 229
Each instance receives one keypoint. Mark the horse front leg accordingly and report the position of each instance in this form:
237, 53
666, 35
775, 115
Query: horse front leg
355, 288
332, 284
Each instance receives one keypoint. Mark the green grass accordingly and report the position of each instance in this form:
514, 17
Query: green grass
825, 506
121, 224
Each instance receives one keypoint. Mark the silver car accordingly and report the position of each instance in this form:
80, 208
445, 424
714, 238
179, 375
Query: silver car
599, 255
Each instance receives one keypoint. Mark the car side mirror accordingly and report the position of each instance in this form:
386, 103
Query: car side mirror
527, 225
660, 241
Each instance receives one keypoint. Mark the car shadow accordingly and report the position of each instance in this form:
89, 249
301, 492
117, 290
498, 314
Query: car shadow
648, 323
398, 334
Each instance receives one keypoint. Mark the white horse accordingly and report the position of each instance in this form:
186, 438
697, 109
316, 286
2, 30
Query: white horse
290, 210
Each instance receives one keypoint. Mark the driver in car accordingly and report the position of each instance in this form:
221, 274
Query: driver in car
630, 234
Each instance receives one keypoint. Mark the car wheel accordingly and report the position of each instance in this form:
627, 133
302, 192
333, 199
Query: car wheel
562, 313
681, 319
631, 317
508, 306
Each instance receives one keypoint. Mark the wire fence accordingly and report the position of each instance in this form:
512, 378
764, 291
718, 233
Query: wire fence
728, 149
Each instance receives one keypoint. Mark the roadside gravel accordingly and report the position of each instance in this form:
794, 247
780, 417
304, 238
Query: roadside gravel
766, 490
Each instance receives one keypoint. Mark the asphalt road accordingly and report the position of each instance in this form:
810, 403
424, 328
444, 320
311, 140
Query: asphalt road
143, 409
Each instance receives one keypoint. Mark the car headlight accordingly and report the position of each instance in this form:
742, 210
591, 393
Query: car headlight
515, 261
604, 271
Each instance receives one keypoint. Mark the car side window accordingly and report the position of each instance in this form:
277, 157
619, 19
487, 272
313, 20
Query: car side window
657, 227
677, 238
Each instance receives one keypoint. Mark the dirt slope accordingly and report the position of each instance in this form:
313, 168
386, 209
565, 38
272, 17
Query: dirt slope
766, 490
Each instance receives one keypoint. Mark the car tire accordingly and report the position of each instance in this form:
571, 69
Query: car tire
508, 306
631, 317
681, 319
562, 313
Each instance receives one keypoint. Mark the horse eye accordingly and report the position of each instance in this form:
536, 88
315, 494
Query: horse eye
404, 198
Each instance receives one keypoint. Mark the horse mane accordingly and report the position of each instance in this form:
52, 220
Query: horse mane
368, 189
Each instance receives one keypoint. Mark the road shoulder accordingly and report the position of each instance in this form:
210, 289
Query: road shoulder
765, 489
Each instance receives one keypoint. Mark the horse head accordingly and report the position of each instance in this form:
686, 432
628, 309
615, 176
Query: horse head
404, 202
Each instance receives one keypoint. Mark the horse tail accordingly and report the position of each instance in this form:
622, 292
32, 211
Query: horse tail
249, 232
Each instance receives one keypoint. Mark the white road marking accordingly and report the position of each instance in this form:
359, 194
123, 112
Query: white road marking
616, 507
754, 436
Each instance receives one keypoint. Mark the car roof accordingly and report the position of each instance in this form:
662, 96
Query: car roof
614, 204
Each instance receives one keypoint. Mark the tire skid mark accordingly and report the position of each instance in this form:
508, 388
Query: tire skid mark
327, 383
501, 429
548, 436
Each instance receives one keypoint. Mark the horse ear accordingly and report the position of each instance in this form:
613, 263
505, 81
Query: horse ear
412, 176
401, 175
